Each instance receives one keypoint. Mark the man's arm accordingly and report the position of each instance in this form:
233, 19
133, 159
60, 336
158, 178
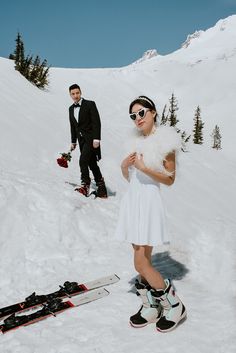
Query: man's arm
72, 131
96, 122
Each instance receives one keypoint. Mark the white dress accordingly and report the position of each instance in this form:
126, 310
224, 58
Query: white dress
142, 217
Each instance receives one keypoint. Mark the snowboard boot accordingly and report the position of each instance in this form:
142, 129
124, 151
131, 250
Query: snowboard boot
173, 310
83, 189
101, 189
150, 311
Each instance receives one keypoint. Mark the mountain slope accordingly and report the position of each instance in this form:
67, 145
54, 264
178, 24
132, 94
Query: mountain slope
49, 234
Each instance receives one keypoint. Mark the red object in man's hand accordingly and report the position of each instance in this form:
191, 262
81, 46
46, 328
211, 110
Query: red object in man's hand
62, 162
64, 159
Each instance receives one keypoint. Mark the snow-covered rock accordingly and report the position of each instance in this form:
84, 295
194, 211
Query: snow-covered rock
190, 38
149, 54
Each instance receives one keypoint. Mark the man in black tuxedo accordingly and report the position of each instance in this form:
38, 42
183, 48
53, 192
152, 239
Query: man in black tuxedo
85, 127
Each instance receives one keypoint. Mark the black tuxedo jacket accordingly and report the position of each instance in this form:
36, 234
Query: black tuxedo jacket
88, 127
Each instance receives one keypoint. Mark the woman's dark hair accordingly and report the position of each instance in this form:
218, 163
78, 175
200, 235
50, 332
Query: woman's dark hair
74, 86
145, 102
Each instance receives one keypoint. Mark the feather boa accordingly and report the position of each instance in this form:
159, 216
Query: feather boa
156, 146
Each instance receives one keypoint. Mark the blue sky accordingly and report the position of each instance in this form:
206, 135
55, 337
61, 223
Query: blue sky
104, 33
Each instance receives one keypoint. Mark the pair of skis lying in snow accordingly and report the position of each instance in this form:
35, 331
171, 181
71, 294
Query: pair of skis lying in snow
70, 295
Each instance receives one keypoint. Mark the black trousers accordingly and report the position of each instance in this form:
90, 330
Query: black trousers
88, 160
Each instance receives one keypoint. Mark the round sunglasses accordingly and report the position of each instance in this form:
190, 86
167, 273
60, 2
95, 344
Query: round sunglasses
141, 113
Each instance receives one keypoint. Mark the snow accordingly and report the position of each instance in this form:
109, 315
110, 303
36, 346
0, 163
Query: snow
50, 234
148, 54
190, 38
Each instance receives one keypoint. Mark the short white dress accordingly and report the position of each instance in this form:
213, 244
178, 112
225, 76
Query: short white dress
141, 218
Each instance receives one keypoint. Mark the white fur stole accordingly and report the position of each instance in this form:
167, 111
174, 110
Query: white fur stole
156, 146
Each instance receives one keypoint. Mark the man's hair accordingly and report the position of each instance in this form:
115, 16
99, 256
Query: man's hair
74, 86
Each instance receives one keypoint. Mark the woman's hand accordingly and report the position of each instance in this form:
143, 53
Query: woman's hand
164, 178
139, 163
128, 161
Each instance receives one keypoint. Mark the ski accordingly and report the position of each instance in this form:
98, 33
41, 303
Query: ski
51, 307
69, 289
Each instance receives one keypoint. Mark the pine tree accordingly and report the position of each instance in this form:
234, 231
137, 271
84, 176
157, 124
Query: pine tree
198, 126
44, 74
26, 67
216, 136
164, 116
31, 68
34, 72
170, 119
19, 53
172, 111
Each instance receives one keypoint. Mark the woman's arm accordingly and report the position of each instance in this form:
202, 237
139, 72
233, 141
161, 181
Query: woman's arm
126, 163
169, 165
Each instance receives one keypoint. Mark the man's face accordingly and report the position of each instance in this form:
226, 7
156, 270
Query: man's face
75, 95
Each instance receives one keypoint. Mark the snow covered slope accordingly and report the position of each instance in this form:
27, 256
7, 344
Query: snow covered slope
49, 234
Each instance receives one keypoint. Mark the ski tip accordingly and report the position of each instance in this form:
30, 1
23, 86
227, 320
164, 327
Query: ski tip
117, 276
101, 292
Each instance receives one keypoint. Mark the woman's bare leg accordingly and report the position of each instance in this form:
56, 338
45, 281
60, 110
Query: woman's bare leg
142, 264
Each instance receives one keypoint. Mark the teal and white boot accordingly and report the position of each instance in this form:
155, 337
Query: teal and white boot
173, 310
150, 311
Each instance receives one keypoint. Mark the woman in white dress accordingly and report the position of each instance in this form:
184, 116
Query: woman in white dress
150, 162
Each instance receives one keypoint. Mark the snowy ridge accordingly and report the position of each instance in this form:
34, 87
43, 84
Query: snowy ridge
227, 25
49, 234
149, 54
215, 43
190, 38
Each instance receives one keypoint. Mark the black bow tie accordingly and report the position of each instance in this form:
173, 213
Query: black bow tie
77, 105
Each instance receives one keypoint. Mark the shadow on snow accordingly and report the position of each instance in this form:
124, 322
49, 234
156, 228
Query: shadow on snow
167, 266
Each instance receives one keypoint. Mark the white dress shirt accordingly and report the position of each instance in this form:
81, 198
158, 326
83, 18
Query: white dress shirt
77, 109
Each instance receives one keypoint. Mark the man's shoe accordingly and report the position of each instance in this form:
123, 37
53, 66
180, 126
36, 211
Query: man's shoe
83, 189
101, 189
